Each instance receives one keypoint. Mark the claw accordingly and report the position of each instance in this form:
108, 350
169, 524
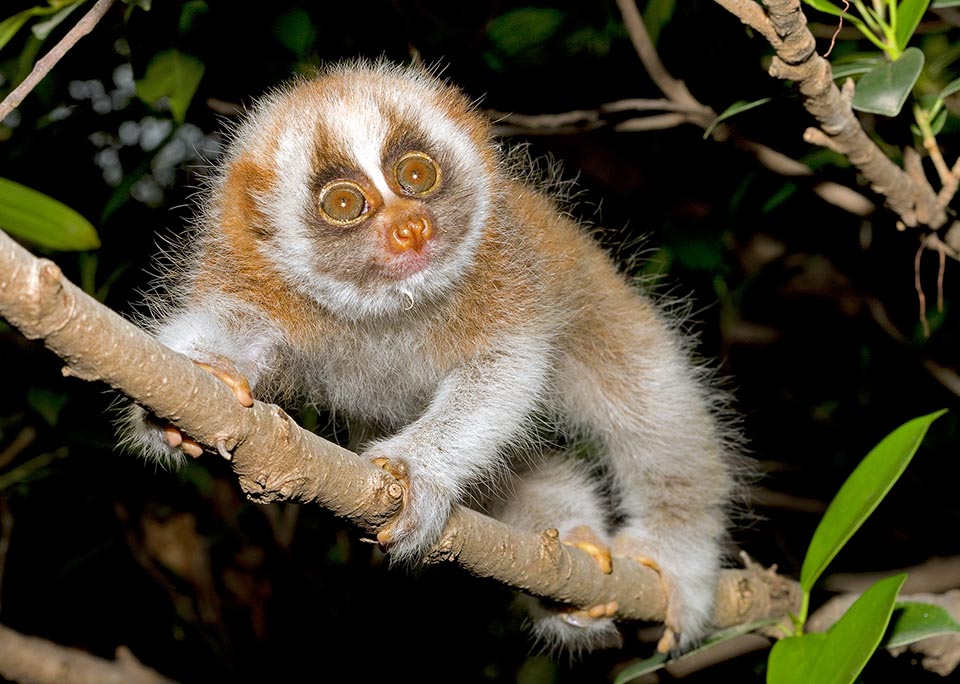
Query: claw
668, 642
585, 539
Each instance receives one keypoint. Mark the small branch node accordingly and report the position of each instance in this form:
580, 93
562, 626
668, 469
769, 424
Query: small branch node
815, 136
395, 491
847, 91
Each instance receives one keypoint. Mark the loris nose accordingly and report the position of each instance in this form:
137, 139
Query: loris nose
411, 233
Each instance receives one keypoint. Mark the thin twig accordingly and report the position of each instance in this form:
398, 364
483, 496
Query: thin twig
921, 297
47, 62
933, 149
947, 377
949, 188
32, 659
644, 104
833, 38
657, 122
23, 439
671, 87
6, 530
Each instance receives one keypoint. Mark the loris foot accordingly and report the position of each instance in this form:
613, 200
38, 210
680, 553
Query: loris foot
587, 540
579, 617
627, 548
233, 380
569, 627
669, 641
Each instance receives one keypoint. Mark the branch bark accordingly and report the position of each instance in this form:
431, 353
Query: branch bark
276, 460
38, 661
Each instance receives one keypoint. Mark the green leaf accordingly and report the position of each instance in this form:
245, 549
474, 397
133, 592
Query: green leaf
826, 6
657, 661
145, 5
839, 655
296, 31
523, 29
43, 29
47, 403
190, 12
791, 659
42, 220
656, 15
861, 494
174, 76
852, 68
786, 191
884, 89
733, 110
936, 125
914, 621
952, 87
12, 24
645, 666
909, 13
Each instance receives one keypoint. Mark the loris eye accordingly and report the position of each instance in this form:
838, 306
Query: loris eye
417, 173
342, 202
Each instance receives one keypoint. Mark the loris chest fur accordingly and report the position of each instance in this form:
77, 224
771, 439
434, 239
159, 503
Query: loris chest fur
378, 375
366, 243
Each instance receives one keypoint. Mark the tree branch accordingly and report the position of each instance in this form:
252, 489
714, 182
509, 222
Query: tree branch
47, 62
38, 661
276, 460
675, 90
910, 197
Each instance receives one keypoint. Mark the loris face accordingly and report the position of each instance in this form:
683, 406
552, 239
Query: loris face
373, 190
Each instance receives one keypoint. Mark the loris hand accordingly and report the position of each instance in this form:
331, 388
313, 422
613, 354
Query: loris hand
426, 507
165, 441
241, 389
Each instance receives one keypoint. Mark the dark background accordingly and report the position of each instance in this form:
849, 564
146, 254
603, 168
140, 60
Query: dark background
203, 587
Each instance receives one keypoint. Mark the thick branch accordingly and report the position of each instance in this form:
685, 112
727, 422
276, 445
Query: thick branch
276, 460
